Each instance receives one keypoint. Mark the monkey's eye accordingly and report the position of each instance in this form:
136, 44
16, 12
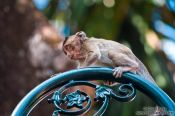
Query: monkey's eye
70, 47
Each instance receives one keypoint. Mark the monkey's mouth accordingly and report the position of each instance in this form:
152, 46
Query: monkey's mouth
76, 57
73, 57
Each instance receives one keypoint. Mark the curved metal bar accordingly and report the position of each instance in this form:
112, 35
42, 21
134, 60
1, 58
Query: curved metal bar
97, 73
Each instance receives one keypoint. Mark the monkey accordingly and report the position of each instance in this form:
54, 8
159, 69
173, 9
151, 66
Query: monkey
90, 50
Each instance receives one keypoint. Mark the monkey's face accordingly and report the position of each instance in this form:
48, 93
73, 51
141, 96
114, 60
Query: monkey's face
72, 46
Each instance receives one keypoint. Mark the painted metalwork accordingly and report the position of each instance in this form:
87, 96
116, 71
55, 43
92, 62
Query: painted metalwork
81, 101
126, 92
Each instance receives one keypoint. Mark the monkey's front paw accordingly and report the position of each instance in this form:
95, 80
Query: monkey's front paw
118, 71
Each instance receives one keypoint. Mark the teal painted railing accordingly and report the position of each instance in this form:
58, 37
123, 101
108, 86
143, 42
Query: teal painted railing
129, 82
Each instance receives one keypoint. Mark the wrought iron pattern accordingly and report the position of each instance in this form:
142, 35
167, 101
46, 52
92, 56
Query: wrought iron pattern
103, 94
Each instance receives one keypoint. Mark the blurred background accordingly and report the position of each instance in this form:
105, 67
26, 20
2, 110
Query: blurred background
32, 32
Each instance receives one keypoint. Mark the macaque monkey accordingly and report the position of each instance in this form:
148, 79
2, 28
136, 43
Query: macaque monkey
89, 51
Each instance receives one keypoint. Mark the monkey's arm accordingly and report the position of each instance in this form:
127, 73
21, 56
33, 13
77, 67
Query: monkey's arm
123, 63
91, 58
93, 54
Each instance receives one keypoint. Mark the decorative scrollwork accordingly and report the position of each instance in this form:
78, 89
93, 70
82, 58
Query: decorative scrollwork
75, 99
102, 92
126, 92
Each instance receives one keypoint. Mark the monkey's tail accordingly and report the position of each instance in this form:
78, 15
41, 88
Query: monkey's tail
144, 72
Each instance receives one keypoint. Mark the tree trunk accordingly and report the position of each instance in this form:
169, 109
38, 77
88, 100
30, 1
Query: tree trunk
28, 52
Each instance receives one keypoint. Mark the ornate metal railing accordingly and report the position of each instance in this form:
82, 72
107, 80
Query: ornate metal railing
81, 101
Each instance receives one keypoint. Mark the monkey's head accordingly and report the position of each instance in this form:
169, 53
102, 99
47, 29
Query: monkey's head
72, 45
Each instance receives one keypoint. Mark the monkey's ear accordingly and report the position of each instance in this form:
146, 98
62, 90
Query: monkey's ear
81, 35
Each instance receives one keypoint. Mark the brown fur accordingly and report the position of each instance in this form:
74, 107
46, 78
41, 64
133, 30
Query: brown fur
89, 51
